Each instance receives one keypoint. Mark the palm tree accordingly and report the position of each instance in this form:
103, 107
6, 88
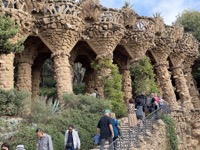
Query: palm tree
157, 15
127, 4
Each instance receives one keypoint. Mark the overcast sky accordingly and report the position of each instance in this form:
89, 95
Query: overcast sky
168, 9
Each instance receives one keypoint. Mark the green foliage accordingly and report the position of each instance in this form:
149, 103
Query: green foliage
171, 132
82, 111
11, 102
113, 87
143, 77
190, 19
8, 30
79, 88
48, 74
50, 93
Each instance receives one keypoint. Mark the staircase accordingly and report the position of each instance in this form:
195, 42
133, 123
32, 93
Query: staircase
131, 137
124, 130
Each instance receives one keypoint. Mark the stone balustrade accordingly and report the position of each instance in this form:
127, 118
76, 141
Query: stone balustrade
111, 16
62, 7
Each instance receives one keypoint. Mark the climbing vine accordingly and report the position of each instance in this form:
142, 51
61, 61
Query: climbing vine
171, 132
143, 77
8, 29
112, 86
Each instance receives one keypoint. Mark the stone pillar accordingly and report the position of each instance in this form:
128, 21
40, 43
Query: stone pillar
89, 78
63, 74
127, 84
194, 93
35, 82
181, 87
103, 72
24, 77
165, 83
6, 71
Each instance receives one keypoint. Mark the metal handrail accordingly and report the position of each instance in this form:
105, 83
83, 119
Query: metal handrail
132, 136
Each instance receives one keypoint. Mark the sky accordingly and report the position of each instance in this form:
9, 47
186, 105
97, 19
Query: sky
169, 9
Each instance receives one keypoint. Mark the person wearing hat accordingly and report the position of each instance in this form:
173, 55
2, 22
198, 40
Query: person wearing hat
20, 147
104, 127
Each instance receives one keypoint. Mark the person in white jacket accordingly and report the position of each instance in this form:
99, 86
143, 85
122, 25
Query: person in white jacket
72, 140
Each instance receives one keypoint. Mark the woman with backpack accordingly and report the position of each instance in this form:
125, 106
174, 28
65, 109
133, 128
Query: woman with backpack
116, 128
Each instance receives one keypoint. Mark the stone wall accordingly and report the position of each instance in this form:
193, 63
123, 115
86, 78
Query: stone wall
155, 140
188, 129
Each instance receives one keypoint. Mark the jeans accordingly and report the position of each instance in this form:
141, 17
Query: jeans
115, 142
72, 148
103, 141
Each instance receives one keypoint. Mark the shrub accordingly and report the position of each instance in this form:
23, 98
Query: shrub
82, 111
171, 132
79, 88
11, 102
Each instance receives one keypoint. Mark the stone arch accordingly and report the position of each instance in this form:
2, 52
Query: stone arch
122, 58
85, 55
29, 63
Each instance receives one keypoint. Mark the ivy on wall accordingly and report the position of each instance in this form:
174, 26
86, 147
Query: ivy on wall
171, 132
112, 86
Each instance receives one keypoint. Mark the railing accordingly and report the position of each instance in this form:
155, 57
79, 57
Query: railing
131, 138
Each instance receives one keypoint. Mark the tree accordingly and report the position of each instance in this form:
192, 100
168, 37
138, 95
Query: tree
143, 77
8, 30
190, 19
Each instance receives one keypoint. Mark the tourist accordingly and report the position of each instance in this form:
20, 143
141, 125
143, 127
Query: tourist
161, 102
20, 147
153, 103
5, 146
116, 128
95, 93
132, 120
104, 127
72, 140
140, 112
44, 140
156, 100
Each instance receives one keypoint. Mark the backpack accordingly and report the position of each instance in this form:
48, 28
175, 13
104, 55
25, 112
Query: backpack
139, 111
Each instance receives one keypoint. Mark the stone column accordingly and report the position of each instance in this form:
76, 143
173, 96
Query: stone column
103, 72
35, 82
127, 84
6, 71
194, 93
24, 76
181, 87
166, 85
89, 78
63, 74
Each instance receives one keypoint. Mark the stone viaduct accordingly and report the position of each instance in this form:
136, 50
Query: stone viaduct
85, 31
